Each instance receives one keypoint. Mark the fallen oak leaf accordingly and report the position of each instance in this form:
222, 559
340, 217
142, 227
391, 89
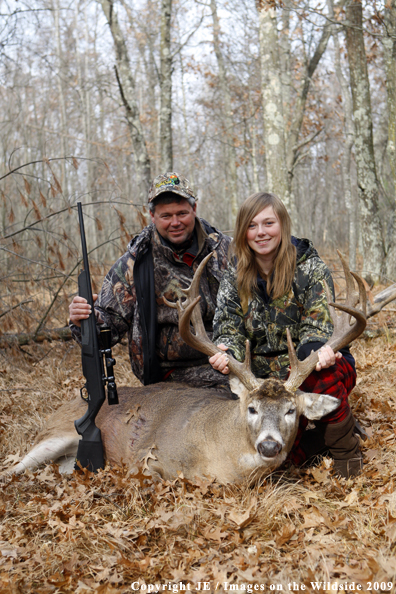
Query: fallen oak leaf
215, 535
321, 475
131, 413
241, 520
285, 534
391, 499
12, 459
351, 499
149, 456
391, 532
312, 519
308, 495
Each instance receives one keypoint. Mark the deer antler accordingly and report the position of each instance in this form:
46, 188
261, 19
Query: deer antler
344, 331
189, 311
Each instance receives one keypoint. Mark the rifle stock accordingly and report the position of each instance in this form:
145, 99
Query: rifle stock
90, 448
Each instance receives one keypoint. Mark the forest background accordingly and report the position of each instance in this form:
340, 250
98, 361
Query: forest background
294, 97
98, 97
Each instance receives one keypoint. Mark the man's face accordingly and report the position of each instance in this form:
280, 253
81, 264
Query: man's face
175, 222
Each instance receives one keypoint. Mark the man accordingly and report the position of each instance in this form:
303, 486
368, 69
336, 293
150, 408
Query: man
159, 263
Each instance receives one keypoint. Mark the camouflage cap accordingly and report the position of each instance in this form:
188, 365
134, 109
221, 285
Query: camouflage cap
170, 182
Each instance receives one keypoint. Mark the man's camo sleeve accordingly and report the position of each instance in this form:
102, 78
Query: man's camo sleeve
116, 300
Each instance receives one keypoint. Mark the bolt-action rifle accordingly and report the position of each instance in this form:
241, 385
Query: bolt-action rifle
96, 372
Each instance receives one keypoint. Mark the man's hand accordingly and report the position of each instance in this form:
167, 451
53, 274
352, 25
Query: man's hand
79, 309
327, 358
219, 361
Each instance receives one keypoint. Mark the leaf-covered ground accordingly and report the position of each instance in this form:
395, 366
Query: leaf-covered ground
110, 533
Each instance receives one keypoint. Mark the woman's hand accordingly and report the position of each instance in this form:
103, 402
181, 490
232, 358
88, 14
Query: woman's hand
327, 357
219, 361
79, 309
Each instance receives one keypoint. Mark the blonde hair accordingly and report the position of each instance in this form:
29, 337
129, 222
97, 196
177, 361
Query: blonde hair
280, 278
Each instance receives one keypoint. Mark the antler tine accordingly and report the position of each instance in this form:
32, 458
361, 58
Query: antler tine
362, 292
189, 311
192, 293
201, 342
352, 296
343, 333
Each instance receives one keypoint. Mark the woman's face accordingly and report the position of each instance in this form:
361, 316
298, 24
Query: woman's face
264, 234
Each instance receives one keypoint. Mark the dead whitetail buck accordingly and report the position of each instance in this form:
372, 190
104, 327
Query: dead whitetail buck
172, 428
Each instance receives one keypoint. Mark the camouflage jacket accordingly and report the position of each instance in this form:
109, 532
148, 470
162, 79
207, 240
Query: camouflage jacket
131, 300
303, 310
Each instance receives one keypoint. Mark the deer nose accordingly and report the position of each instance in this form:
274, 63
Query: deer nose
269, 448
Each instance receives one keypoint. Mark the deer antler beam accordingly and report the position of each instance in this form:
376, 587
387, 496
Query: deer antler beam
343, 333
190, 311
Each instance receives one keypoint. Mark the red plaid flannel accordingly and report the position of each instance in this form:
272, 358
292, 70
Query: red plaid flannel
337, 380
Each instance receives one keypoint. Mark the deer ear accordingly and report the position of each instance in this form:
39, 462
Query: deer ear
316, 406
237, 387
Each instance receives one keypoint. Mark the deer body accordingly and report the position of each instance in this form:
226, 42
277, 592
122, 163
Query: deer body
171, 428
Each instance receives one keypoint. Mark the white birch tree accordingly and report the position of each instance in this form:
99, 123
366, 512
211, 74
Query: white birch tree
230, 151
165, 111
346, 156
368, 187
274, 123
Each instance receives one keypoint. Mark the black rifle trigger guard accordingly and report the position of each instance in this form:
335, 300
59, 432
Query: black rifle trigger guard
85, 398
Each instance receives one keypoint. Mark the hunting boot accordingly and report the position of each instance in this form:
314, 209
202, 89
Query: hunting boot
344, 446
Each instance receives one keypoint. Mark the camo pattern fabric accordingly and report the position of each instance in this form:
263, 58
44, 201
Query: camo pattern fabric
117, 303
304, 310
202, 376
171, 182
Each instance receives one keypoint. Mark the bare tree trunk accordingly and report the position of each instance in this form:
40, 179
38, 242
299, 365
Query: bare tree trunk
165, 113
146, 50
227, 115
284, 56
187, 146
346, 157
82, 78
389, 43
256, 186
371, 228
274, 125
62, 100
299, 108
128, 94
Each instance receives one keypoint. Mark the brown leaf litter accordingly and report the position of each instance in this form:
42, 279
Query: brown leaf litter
112, 533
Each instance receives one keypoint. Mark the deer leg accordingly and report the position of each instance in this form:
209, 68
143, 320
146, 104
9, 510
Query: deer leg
50, 450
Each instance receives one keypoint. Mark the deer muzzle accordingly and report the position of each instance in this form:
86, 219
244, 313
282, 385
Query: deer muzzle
269, 448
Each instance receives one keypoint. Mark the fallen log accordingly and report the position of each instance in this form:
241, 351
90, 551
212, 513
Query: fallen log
23, 338
380, 300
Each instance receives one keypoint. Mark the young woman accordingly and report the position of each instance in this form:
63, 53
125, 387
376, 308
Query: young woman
276, 281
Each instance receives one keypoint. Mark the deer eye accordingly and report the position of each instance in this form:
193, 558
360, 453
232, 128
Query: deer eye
291, 411
252, 410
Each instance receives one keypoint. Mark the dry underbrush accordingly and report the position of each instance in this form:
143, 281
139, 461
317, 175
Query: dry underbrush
109, 533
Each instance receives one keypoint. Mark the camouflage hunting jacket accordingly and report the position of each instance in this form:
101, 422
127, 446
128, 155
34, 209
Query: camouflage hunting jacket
303, 310
131, 299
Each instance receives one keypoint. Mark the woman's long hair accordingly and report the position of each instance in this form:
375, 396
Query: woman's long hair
280, 278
